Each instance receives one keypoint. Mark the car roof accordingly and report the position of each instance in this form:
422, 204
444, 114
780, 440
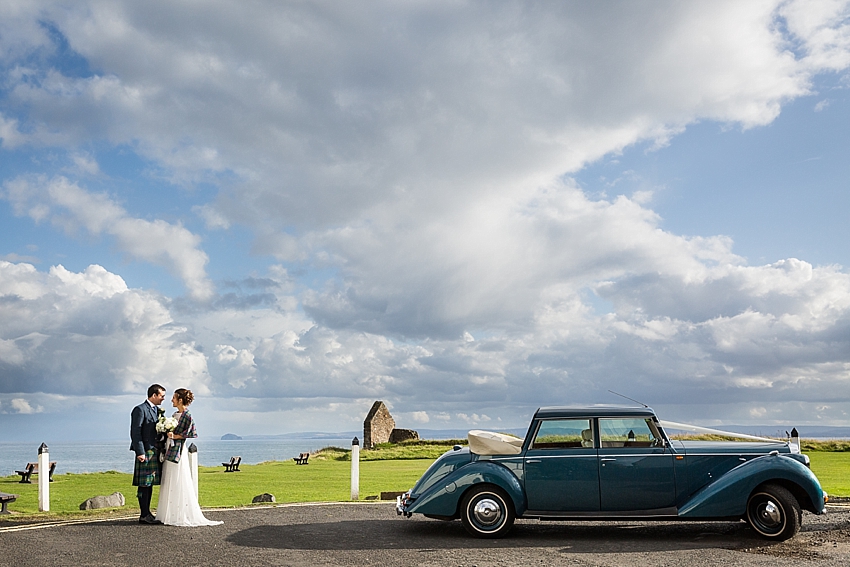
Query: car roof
593, 411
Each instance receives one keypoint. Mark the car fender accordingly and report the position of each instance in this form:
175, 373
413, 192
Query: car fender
728, 495
442, 499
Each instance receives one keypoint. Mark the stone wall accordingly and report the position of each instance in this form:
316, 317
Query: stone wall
399, 435
378, 426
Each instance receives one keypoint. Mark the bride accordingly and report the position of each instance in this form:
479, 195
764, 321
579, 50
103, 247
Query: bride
178, 502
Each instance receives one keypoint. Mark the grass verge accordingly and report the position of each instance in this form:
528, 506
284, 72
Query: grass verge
406, 450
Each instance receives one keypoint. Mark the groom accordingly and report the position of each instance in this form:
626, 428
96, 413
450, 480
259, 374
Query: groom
143, 441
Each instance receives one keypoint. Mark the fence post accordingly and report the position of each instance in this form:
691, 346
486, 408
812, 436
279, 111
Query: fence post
355, 469
43, 478
193, 465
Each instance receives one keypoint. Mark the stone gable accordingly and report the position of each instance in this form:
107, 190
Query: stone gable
378, 426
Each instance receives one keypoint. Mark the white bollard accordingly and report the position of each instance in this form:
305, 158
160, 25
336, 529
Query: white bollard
43, 479
795, 441
355, 469
193, 465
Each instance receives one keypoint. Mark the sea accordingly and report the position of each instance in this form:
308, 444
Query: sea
99, 456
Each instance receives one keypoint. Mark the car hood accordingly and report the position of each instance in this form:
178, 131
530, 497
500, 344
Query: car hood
731, 447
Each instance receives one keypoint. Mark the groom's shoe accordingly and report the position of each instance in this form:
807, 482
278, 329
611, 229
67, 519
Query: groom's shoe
150, 520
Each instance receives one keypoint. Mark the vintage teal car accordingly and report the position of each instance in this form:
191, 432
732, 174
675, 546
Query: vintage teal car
615, 463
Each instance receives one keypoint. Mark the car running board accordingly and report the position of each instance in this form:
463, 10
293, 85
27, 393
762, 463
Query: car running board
657, 513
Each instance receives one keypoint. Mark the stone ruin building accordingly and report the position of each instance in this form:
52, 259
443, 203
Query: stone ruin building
399, 435
379, 427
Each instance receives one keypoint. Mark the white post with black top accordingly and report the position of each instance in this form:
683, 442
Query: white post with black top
43, 479
355, 469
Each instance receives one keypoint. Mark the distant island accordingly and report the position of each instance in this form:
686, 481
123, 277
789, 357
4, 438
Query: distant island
230, 437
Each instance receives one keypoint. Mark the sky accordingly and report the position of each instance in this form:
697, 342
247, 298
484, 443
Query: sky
467, 210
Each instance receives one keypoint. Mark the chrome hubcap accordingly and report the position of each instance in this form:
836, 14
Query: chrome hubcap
487, 512
770, 514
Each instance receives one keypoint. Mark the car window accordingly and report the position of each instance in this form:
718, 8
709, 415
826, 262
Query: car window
563, 434
631, 432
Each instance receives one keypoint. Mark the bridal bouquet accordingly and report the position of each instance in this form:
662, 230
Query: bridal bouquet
165, 424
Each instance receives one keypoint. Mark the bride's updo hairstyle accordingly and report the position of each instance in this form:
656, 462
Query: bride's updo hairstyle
185, 396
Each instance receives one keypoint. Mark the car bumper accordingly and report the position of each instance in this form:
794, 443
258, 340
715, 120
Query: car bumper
402, 503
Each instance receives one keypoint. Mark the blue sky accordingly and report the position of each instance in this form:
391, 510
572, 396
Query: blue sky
467, 210
778, 190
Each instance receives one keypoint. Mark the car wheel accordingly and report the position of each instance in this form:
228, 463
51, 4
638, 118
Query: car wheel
487, 512
774, 513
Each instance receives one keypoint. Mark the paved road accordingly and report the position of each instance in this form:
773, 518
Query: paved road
371, 534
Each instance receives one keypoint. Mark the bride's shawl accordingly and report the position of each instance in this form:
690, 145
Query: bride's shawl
186, 428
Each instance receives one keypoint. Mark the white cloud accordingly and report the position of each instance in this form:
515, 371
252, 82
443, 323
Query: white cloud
212, 218
88, 334
71, 207
20, 405
425, 177
473, 419
239, 363
432, 104
85, 164
420, 417
771, 334
821, 105
10, 137
415, 158
822, 28
758, 412
491, 266
12, 257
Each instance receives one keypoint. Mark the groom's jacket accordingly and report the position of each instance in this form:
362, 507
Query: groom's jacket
143, 435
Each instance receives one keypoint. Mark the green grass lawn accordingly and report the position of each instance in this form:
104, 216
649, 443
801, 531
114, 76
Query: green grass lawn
326, 478
833, 471
320, 481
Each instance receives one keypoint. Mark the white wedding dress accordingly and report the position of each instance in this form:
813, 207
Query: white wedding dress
178, 503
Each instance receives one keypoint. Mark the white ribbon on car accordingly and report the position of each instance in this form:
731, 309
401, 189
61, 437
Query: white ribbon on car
697, 429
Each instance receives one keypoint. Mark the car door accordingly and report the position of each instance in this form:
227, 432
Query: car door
561, 470
635, 468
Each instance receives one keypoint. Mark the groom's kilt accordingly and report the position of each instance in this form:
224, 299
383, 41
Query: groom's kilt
147, 473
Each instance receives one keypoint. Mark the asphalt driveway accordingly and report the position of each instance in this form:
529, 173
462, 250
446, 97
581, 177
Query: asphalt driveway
367, 534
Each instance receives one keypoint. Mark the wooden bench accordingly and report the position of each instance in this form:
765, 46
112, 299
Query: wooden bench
301, 459
233, 465
31, 469
5, 499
